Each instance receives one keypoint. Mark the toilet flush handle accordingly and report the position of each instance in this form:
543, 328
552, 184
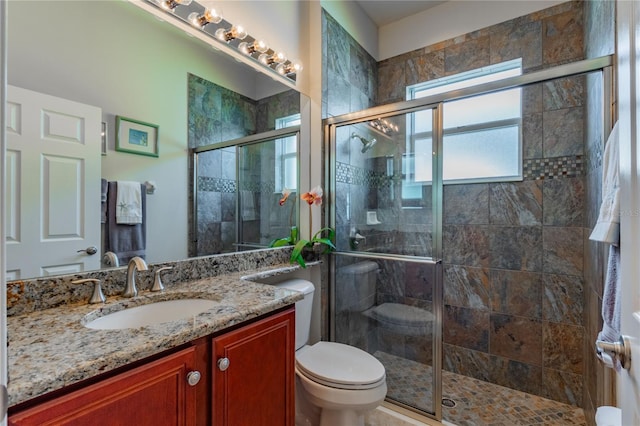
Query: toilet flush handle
223, 364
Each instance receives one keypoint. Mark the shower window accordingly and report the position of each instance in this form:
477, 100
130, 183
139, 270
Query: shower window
287, 156
482, 134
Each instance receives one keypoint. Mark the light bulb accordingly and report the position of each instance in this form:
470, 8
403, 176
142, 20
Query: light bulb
209, 16
172, 4
250, 48
296, 66
264, 59
232, 33
280, 58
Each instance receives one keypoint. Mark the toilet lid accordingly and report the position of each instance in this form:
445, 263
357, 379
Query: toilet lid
396, 313
340, 366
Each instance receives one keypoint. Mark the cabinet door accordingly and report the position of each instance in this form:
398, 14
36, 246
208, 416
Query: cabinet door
256, 388
154, 394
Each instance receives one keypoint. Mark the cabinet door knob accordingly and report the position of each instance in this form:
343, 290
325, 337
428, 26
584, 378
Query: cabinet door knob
193, 378
223, 364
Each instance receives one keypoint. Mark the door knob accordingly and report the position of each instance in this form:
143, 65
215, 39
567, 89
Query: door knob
89, 250
621, 349
223, 364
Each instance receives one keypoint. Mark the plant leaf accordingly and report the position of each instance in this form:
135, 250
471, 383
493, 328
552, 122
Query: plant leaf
296, 254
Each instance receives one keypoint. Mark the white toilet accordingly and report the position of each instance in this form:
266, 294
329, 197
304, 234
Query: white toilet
336, 384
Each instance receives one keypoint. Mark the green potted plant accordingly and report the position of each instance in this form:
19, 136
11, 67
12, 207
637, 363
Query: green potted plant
320, 243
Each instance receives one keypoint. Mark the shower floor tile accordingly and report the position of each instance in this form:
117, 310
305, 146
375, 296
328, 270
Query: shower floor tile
476, 402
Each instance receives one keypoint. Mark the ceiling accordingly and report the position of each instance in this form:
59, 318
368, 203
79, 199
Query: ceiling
383, 12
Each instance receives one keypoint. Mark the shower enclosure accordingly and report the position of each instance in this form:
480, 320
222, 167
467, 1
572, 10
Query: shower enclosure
403, 181
237, 186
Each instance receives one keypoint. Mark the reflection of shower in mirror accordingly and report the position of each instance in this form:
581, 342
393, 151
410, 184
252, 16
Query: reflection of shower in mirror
366, 144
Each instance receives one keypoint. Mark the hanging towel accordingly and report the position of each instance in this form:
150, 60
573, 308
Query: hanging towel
126, 241
611, 304
129, 203
247, 205
104, 189
607, 228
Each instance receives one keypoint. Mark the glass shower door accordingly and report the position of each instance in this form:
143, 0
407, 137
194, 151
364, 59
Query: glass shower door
386, 286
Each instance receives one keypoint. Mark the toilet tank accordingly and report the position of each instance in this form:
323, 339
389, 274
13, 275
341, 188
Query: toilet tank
303, 308
356, 284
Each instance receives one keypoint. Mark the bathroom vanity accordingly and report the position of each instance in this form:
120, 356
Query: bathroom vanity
230, 365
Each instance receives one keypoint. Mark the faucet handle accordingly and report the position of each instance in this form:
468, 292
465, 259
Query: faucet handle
98, 295
157, 281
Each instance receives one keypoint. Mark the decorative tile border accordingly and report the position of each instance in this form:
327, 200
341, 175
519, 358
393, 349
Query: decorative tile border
553, 168
346, 173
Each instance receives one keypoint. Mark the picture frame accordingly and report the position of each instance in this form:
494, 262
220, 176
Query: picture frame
136, 137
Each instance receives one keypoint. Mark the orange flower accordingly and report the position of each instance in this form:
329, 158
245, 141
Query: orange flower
285, 196
314, 196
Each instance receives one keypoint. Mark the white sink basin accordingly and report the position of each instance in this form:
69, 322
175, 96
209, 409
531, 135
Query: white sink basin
152, 313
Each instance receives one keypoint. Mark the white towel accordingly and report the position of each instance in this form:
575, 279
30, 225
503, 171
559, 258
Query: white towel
607, 228
128, 203
247, 205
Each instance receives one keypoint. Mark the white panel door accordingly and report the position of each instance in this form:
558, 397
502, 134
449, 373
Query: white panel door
52, 184
628, 51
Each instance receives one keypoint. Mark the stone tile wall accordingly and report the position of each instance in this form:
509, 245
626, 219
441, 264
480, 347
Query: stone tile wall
513, 252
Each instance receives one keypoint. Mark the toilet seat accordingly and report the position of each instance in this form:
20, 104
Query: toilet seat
340, 366
399, 314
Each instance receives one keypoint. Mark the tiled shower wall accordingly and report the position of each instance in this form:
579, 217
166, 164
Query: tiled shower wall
513, 252
599, 40
217, 114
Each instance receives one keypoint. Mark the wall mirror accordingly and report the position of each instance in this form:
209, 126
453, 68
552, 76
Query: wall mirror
129, 63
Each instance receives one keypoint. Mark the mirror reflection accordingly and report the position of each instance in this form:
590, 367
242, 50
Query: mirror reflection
196, 96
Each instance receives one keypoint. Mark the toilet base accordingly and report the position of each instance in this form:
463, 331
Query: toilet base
341, 417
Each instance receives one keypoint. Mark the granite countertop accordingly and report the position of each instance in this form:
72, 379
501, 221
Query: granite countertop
50, 349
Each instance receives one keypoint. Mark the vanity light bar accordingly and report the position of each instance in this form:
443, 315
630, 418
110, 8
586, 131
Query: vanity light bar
209, 22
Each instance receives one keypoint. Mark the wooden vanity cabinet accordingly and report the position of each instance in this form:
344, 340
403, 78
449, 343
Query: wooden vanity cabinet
253, 373
156, 393
256, 388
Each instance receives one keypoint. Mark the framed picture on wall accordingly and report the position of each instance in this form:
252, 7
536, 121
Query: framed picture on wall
136, 137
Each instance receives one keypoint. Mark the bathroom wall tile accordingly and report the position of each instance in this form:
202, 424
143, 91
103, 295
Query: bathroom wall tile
562, 37
425, 67
517, 203
228, 235
466, 362
562, 386
532, 99
564, 202
563, 132
338, 49
532, 135
466, 204
516, 338
563, 347
516, 247
465, 327
228, 207
563, 250
358, 100
419, 280
466, 245
391, 279
339, 94
518, 41
391, 83
358, 69
564, 93
516, 293
466, 287
563, 299
391, 343
466, 56
515, 375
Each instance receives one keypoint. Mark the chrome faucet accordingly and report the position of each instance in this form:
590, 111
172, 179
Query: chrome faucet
135, 263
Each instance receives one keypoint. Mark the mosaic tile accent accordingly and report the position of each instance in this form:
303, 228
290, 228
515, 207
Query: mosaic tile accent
209, 184
346, 173
552, 168
477, 403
